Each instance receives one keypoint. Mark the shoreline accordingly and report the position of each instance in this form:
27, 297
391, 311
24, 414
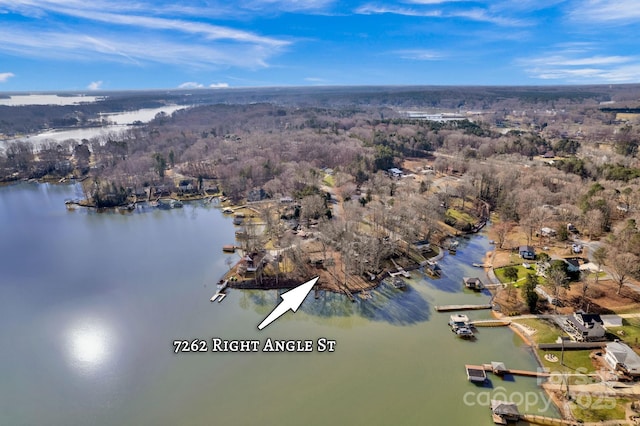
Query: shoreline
532, 349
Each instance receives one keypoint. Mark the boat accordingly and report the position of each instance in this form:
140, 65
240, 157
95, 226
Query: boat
458, 320
229, 249
169, 203
227, 210
398, 282
464, 332
222, 285
459, 324
478, 265
453, 247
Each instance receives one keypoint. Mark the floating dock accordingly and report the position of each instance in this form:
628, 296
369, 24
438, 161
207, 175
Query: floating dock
448, 308
221, 293
476, 373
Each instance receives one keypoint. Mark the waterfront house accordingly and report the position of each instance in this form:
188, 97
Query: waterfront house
473, 283
422, 245
527, 252
256, 195
585, 327
186, 186
622, 358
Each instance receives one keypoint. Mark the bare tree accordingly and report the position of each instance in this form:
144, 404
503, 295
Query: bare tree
600, 256
595, 220
556, 279
622, 267
502, 229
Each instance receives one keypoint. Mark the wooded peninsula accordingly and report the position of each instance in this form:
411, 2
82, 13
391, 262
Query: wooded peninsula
353, 183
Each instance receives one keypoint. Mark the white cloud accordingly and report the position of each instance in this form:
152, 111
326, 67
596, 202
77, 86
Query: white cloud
219, 85
371, 9
424, 10
433, 1
576, 63
4, 76
607, 11
119, 48
95, 85
288, 5
190, 85
419, 54
132, 32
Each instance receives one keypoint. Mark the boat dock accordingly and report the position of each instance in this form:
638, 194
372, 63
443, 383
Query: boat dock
221, 293
498, 368
218, 296
448, 308
491, 323
400, 271
543, 420
476, 373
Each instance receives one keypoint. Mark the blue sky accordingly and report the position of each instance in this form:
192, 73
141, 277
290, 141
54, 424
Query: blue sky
144, 44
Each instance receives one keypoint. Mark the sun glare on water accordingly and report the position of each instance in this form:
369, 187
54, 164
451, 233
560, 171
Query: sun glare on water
89, 344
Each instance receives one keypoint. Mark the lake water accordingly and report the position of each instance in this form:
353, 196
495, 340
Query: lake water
17, 100
90, 304
122, 120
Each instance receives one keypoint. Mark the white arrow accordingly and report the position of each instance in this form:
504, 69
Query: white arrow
292, 299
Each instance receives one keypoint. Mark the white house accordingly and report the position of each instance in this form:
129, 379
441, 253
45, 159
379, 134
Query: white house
395, 172
586, 326
621, 357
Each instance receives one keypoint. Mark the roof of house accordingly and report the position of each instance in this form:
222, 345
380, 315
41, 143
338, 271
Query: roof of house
504, 408
588, 318
624, 355
584, 322
573, 262
526, 248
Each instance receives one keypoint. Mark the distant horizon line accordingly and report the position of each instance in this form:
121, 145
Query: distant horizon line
328, 86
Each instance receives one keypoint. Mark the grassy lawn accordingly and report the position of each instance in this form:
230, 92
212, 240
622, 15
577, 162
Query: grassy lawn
460, 216
574, 362
629, 332
546, 331
522, 273
435, 250
598, 408
329, 181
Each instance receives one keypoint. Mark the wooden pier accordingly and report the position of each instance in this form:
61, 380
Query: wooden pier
549, 421
400, 271
449, 308
491, 323
502, 371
